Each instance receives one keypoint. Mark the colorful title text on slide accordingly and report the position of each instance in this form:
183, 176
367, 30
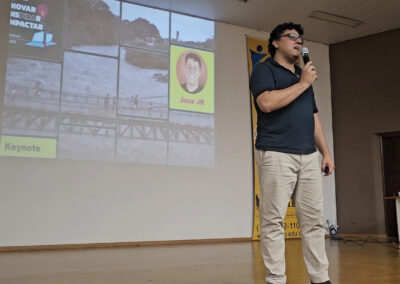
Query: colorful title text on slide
28, 147
25, 16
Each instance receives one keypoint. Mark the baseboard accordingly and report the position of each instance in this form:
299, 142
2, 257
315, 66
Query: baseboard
120, 244
381, 237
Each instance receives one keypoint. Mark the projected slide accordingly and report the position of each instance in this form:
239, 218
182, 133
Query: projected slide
191, 83
145, 27
129, 83
93, 26
36, 29
148, 97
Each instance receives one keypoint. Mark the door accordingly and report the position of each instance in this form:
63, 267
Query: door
391, 178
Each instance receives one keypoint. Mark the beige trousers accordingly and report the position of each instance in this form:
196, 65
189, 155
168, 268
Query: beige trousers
283, 176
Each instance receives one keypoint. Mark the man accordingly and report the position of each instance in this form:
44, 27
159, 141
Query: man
288, 132
192, 73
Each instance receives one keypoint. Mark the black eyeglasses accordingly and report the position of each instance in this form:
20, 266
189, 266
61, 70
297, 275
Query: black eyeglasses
293, 37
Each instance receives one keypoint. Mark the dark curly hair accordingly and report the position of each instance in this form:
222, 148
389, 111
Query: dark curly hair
194, 57
278, 31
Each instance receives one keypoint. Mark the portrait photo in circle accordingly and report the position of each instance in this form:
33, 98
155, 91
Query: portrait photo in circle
191, 71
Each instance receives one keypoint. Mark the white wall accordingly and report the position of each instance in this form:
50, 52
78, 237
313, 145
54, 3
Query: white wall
319, 54
65, 201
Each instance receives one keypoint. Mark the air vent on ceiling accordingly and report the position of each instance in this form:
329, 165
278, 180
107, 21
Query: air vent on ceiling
335, 19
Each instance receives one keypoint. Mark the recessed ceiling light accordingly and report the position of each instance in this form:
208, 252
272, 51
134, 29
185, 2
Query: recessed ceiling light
335, 19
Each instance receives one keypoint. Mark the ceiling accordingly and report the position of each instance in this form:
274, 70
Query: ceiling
377, 15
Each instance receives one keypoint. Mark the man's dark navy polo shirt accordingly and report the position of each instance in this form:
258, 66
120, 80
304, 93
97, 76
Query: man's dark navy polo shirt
291, 128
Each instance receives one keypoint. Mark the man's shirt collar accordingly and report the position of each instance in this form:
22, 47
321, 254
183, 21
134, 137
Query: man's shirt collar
296, 67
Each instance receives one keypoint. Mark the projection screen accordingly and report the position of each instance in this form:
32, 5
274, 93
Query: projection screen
108, 80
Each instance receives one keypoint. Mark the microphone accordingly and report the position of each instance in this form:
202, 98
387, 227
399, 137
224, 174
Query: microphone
304, 54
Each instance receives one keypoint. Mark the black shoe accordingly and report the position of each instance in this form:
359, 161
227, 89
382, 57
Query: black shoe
326, 282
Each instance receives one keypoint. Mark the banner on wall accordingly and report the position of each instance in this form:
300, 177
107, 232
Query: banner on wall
257, 51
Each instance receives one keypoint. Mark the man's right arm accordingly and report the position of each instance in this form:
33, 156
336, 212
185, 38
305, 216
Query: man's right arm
269, 101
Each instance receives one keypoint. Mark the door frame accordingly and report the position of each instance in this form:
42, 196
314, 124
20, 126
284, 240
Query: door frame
381, 136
